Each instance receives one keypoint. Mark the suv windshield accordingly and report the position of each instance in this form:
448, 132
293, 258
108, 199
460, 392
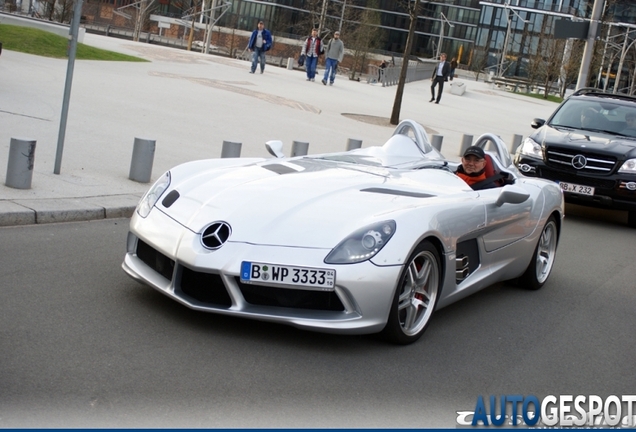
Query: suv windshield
596, 116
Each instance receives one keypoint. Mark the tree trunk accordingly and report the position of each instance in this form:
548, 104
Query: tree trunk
397, 104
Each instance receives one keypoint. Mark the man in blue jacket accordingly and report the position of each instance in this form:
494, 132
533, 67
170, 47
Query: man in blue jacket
260, 42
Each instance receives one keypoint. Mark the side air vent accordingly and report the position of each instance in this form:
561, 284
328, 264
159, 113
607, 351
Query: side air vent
461, 268
397, 192
467, 259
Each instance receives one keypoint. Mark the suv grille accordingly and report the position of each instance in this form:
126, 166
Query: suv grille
579, 161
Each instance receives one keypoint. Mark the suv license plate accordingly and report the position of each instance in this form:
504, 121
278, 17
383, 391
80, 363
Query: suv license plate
317, 278
577, 189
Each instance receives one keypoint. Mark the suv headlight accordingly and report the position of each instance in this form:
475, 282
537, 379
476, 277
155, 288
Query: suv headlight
629, 167
531, 148
363, 244
152, 196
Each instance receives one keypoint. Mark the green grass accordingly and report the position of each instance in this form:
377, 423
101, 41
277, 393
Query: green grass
39, 42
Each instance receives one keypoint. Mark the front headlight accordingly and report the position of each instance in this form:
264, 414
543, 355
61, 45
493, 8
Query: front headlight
363, 244
530, 147
152, 196
629, 167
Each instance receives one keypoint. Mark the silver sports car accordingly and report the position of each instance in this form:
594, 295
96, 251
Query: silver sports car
370, 240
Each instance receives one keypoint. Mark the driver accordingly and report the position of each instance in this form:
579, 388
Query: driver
630, 121
473, 167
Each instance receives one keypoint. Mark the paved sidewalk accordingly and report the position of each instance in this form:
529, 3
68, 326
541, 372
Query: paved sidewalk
190, 103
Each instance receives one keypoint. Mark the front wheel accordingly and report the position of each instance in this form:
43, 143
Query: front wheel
416, 296
543, 258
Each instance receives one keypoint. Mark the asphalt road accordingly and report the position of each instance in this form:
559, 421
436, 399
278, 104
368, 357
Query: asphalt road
83, 345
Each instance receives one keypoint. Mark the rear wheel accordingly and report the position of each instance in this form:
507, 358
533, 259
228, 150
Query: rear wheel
416, 296
543, 258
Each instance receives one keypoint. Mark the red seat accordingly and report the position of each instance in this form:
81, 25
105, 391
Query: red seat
489, 170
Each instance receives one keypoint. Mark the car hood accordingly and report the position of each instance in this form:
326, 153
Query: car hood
304, 203
590, 141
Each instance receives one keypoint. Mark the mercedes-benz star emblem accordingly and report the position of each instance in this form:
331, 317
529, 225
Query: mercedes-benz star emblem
579, 162
215, 235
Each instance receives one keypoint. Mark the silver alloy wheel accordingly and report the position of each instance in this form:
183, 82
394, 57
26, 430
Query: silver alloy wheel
419, 293
546, 251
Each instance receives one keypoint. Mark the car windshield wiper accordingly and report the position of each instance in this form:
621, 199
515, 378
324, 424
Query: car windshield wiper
560, 127
622, 135
600, 131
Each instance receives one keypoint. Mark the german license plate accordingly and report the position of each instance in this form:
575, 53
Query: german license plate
317, 278
577, 189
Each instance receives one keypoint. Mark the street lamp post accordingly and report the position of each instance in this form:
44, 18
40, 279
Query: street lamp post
504, 49
323, 15
441, 33
344, 5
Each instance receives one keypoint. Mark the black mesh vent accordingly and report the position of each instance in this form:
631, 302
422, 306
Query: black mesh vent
155, 260
263, 295
204, 287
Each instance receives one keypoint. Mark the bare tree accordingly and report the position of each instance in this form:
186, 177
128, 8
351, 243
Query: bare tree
142, 14
545, 64
413, 8
571, 64
48, 9
362, 34
478, 61
63, 10
309, 20
193, 13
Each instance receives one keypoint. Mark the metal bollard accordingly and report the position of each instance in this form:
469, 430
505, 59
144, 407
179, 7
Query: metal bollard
516, 142
467, 141
290, 63
142, 159
436, 142
353, 143
231, 149
299, 148
20, 164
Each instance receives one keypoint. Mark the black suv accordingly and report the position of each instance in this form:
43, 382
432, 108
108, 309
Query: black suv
588, 146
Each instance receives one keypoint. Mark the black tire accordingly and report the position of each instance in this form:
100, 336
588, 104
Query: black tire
543, 257
631, 218
416, 296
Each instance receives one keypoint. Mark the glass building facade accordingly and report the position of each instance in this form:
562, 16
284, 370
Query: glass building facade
497, 34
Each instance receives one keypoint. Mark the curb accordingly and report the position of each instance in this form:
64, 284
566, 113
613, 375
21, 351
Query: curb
52, 210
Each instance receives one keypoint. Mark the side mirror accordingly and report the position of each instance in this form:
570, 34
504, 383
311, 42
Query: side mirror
275, 148
512, 194
537, 123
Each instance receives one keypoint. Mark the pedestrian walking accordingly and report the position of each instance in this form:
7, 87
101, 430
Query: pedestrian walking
312, 48
453, 64
381, 68
440, 75
334, 54
260, 42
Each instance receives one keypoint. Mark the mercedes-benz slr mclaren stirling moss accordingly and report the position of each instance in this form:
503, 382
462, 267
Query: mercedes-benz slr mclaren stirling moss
364, 241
